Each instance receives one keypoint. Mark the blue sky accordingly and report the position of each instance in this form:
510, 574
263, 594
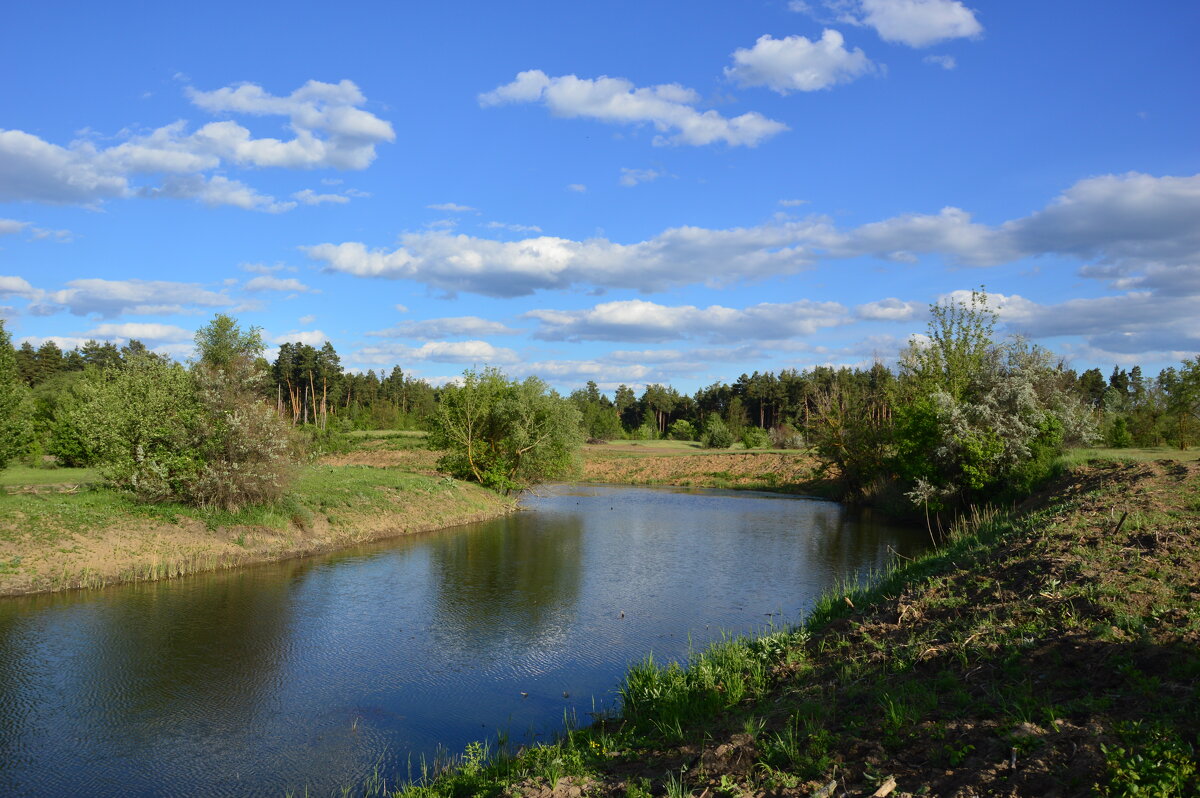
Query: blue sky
625, 192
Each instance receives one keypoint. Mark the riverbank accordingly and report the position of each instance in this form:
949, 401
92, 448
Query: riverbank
1054, 650
687, 464
73, 532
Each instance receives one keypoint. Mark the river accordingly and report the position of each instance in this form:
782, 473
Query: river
312, 674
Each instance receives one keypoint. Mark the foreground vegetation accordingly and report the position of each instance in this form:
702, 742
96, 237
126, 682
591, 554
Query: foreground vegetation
77, 532
1054, 650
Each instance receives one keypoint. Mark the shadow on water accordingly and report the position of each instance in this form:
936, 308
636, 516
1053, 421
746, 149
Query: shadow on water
308, 674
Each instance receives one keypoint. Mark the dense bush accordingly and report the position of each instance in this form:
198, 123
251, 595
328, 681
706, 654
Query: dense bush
682, 430
201, 436
785, 436
755, 438
505, 434
716, 434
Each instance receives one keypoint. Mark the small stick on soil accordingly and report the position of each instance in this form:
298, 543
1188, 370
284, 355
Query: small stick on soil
1121, 523
886, 788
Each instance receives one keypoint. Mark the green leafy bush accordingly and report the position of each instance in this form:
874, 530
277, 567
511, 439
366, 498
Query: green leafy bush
716, 435
505, 434
755, 438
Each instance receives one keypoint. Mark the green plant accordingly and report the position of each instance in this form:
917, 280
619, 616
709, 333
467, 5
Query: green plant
1151, 762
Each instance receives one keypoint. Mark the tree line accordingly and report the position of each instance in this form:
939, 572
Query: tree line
963, 416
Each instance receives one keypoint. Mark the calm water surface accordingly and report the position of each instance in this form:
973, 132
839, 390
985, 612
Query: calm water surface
310, 673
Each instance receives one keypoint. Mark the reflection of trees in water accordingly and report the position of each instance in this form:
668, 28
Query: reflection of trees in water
517, 576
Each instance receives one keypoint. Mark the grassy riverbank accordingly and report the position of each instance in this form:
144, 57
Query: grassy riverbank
1051, 651
687, 464
61, 528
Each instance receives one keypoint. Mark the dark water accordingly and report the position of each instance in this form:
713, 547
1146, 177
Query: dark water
312, 673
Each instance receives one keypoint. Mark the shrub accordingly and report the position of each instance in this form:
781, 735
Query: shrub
505, 434
785, 436
682, 430
15, 429
716, 434
755, 438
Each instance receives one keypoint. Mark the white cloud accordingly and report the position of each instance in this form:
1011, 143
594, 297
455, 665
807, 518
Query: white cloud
631, 177
670, 108
474, 352
677, 256
578, 188
16, 286
268, 283
331, 131
10, 227
793, 203
516, 228
109, 298
947, 62
798, 64
890, 309
33, 169
314, 338
309, 197
1137, 227
309, 319
450, 327
916, 23
451, 207
216, 191
639, 320
165, 333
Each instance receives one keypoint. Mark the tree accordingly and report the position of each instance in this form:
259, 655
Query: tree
244, 449
505, 434
978, 418
15, 428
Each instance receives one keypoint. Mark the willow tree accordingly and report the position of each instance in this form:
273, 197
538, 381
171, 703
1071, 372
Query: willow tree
505, 434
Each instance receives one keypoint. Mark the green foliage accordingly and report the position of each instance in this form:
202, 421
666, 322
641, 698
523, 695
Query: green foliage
504, 434
140, 421
716, 434
1118, 435
979, 419
755, 438
1152, 762
163, 433
15, 428
682, 430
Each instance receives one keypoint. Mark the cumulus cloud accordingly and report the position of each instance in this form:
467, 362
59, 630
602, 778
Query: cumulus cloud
268, 283
890, 309
639, 320
314, 338
215, 191
578, 188
110, 298
11, 285
677, 256
473, 352
670, 108
309, 197
631, 177
798, 64
916, 23
449, 327
1134, 228
946, 62
330, 131
158, 333
10, 227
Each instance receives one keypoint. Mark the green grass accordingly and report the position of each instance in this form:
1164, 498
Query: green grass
17, 475
1049, 621
49, 517
1078, 456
